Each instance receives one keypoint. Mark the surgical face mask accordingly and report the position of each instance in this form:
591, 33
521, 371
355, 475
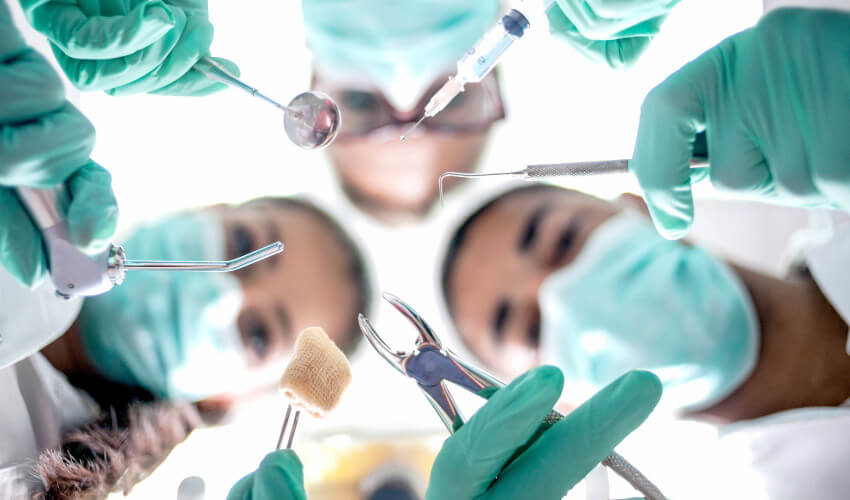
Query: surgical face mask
173, 333
399, 46
633, 300
31, 318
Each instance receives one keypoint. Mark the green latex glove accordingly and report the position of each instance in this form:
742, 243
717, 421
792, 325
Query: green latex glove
129, 46
44, 141
774, 102
479, 462
615, 32
279, 477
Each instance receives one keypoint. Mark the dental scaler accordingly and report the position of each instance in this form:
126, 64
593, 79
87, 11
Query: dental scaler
477, 62
78, 274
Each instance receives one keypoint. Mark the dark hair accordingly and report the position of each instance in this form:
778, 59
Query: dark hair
459, 236
114, 453
357, 264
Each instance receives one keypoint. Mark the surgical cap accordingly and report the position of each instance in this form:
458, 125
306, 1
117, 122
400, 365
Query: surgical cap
400, 46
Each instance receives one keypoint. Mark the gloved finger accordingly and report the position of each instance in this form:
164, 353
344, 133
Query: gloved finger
44, 152
21, 252
30, 86
671, 116
102, 74
11, 41
194, 42
830, 160
195, 84
93, 211
567, 451
242, 489
591, 24
618, 53
279, 477
472, 457
737, 163
82, 36
611, 9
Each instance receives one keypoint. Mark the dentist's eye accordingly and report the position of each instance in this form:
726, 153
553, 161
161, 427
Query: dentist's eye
564, 244
255, 335
242, 241
533, 338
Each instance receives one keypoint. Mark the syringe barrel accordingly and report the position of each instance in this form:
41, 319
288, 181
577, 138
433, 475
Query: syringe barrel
486, 53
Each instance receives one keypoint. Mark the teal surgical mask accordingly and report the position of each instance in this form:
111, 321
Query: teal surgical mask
400, 46
173, 333
632, 299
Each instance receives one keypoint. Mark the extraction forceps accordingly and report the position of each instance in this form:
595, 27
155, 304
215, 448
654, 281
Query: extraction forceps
431, 365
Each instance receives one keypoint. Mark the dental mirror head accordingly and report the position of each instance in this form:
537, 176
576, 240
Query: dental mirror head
312, 120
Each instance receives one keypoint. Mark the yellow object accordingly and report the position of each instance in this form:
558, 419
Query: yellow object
317, 375
352, 466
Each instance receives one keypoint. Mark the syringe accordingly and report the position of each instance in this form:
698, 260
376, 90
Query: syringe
477, 62
575, 169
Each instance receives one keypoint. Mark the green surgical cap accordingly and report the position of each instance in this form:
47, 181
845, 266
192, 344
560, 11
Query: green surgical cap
400, 46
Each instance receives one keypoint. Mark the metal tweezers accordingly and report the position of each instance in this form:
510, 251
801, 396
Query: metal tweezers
431, 364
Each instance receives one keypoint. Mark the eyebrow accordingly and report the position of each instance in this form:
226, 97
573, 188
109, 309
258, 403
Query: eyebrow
500, 319
531, 228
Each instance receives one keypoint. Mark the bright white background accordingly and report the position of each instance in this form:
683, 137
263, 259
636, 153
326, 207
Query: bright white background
167, 154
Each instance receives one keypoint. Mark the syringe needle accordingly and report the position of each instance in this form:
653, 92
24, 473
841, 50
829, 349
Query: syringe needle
413, 127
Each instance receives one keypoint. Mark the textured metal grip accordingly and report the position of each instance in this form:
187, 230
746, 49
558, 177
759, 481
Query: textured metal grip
619, 465
629, 472
580, 169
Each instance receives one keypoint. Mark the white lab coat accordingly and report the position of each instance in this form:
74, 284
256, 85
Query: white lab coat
39, 406
801, 453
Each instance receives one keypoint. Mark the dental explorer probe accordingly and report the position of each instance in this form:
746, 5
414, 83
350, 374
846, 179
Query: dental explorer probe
574, 169
76, 273
311, 120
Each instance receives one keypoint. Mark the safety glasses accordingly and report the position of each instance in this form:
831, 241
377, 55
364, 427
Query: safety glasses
365, 111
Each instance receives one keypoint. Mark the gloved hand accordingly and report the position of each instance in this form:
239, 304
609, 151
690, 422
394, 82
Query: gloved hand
615, 32
279, 477
773, 101
128, 46
472, 462
44, 141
